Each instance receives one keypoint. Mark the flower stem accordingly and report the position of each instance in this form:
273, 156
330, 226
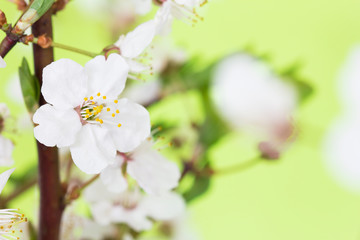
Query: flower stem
51, 192
88, 182
73, 49
238, 167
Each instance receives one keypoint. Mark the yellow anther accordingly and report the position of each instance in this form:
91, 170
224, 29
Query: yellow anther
85, 99
113, 114
92, 103
108, 109
87, 116
87, 111
101, 121
119, 125
116, 101
98, 94
117, 111
91, 98
101, 106
104, 97
97, 119
94, 108
21, 230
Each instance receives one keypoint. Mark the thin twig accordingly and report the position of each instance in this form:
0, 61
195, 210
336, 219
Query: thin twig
238, 167
18, 191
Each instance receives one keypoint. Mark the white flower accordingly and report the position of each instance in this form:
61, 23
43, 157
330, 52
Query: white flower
341, 145
134, 43
181, 9
77, 227
249, 96
84, 112
154, 173
9, 218
2, 63
132, 207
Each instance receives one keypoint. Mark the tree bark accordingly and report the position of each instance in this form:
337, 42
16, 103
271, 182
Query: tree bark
51, 192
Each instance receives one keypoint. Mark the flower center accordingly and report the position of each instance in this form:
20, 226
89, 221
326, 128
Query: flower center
97, 110
9, 218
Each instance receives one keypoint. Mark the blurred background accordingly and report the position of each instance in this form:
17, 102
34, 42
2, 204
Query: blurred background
294, 197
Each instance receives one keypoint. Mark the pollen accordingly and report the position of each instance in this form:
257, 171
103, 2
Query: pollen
104, 97
91, 98
113, 115
108, 109
116, 101
87, 116
85, 99
101, 121
98, 94
117, 111
119, 125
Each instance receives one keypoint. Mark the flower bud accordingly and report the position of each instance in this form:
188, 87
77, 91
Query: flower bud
44, 41
3, 20
159, 2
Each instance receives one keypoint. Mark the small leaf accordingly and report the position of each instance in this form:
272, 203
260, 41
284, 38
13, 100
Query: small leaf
200, 186
29, 86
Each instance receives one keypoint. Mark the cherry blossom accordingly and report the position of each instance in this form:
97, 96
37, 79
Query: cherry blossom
132, 207
153, 172
85, 114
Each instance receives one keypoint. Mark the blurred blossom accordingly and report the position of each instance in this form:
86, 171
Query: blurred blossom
6, 145
2, 63
165, 54
342, 142
144, 93
132, 207
250, 97
77, 227
153, 172
84, 112
133, 44
184, 10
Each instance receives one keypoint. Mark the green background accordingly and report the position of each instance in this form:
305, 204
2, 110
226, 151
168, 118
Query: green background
294, 198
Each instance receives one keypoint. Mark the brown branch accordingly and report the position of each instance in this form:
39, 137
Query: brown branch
51, 192
237, 168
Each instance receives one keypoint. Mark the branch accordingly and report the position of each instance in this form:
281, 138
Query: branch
18, 191
51, 192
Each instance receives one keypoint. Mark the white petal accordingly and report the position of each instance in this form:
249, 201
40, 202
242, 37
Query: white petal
4, 111
342, 152
135, 125
142, 7
143, 93
113, 178
163, 19
164, 207
136, 67
187, 3
106, 77
135, 218
154, 173
97, 192
56, 127
136, 41
102, 211
64, 84
93, 149
6, 148
4, 177
2, 63
349, 83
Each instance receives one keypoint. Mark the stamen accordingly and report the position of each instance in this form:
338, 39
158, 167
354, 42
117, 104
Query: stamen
117, 111
119, 125
104, 97
113, 115
98, 94
108, 109
116, 101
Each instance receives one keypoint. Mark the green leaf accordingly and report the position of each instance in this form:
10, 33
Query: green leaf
200, 186
29, 86
291, 74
